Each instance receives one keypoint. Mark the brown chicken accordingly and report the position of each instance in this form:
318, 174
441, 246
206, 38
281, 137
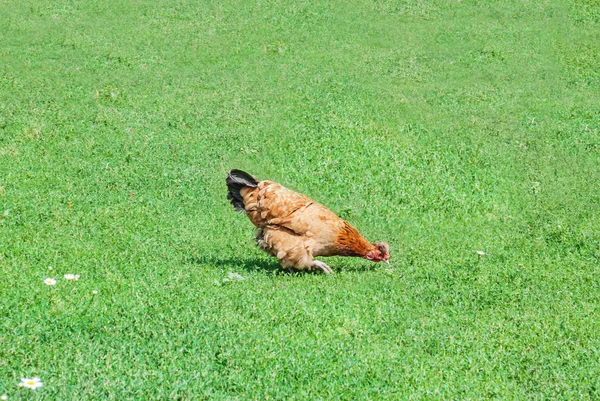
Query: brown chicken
294, 228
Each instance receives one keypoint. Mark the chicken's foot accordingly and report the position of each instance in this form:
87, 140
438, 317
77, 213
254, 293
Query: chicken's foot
322, 265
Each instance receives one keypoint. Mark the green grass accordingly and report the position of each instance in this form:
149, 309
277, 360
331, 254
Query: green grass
442, 127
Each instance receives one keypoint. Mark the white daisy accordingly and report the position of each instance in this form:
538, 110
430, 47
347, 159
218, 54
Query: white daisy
50, 281
72, 277
3, 397
480, 253
95, 292
31, 383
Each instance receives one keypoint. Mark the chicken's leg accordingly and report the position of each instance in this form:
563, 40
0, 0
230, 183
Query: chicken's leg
322, 265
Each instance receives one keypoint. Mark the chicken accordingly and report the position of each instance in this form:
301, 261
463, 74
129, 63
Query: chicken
294, 228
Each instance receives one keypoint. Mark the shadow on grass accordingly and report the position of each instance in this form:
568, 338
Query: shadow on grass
254, 264
249, 264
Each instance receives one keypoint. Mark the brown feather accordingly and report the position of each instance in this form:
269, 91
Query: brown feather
351, 243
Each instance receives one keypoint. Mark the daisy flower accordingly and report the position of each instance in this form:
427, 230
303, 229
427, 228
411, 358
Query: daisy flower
72, 277
3, 397
31, 383
50, 281
480, 253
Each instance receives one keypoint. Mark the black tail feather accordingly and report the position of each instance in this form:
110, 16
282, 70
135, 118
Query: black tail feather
236, 180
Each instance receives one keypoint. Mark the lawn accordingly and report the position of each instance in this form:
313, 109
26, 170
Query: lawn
464, 133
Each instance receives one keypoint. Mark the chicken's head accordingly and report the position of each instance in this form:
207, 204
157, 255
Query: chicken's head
380, 253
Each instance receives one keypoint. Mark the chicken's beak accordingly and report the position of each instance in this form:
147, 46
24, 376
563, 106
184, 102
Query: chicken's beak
387, 261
